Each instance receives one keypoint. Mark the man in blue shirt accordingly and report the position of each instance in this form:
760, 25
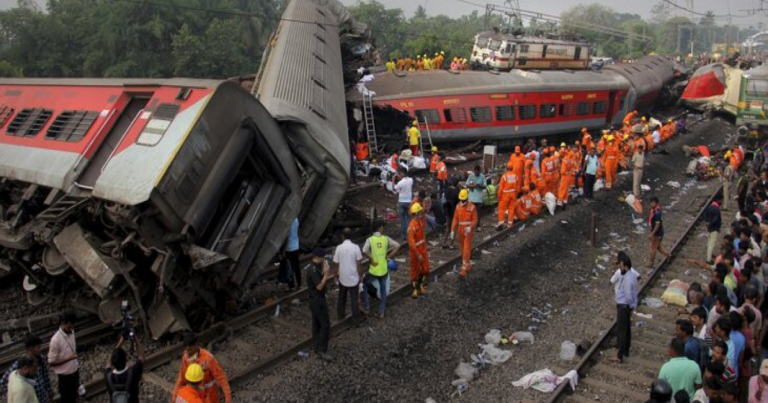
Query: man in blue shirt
476, 185
625, 288
289, 266
590, 172
42, 385
735, 347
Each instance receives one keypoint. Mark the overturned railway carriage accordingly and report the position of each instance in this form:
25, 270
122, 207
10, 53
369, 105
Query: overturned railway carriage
174, 194
469, 106
165, 193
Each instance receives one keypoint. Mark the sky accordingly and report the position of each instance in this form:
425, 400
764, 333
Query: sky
455, 8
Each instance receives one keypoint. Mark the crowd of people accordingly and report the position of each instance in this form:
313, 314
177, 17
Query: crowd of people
719, 349
201, 379
425, 62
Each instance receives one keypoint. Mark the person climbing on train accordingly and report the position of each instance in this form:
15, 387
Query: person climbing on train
214, 377
192, 391
629, 118
611, 162
517, 160
524, 205
509, 187
465, 222
419, 255
414, 138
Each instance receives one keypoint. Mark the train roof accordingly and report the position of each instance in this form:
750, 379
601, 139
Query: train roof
114, 82
757, 72
388, 86
528, 39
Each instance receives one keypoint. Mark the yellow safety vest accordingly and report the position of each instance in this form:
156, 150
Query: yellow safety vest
379, 246
414, 135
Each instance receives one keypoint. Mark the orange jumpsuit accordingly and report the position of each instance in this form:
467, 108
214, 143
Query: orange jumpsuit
190, 394
433, 163
465, 220
629, 117
566, 175
576, 159
400, 64
586, 140
600, 151
528, 167
536, 178
417, 246
509, 187
442, 171
213, 377
523, 207
548, 172
518, 163
739, 156
537, 202
649, 142
611, 164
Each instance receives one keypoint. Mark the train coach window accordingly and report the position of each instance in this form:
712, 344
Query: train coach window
523, 48
158, 124
28, 122
527, 112
5, 113
71, 125
455, 115
481, 114
582, 108
599, 107
431, 116
566, 109
505, 113
757, 88
547, 111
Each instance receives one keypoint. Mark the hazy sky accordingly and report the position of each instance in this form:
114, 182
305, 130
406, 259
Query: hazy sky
455, 8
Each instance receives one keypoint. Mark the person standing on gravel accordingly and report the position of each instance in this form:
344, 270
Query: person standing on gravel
377, 249
21, 382
213, 377
638, 163
464, 221
348, 264
419, 255
657, 232
62, 357
714, 221
476, 185
625, 289
591, 162
33, 348
404, 189
318, 275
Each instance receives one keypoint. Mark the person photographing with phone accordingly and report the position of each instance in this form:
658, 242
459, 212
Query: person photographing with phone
123, 381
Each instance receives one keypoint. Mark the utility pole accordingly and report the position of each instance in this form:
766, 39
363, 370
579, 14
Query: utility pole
678, 37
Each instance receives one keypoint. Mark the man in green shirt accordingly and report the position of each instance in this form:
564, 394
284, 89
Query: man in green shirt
679, 371
377, 249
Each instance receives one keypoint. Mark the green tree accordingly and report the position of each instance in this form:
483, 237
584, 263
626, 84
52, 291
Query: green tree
9, 70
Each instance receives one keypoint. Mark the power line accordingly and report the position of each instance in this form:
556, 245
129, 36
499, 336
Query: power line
729, 15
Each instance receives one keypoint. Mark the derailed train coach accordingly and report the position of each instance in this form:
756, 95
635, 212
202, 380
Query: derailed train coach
172, 194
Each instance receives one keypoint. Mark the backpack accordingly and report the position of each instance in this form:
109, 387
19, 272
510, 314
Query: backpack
120, 392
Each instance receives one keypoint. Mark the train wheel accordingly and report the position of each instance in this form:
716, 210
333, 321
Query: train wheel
35, 294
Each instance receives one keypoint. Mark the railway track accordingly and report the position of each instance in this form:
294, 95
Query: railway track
601, 380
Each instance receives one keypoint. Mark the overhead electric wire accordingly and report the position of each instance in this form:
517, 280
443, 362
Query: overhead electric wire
729, 15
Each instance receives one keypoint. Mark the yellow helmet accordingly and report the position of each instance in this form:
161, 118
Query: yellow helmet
464, 194
416, 208
436, 53
626, 137
610, 137
605, 132
415, 123
442, 52
728, 155
563, 145
643, 119
434, 149
194, 373
670, 120
464, 60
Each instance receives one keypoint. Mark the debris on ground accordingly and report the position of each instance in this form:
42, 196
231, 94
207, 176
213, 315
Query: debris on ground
546, 381
653, 302
674, 184
567, 351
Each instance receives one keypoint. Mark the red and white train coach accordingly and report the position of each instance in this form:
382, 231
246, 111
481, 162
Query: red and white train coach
469, 105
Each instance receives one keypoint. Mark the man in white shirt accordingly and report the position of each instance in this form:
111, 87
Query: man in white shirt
348, 267
656, 135
404, 189
21, 383
625, 286
62, 358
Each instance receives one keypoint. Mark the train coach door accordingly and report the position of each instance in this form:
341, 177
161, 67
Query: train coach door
109, 143
611, 109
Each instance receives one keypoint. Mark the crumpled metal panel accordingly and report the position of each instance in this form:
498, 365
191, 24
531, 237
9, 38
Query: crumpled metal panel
96, 269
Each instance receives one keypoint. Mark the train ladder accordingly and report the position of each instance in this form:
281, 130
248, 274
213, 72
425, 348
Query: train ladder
429, 137
370, 126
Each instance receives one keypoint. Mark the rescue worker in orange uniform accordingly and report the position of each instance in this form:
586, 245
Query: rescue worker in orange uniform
649, 143
442, 173
586, 138
509, 187
537, 200
629, 117
627, 150
400, 64
419, 255
600, 152
524, 205
419, 63
433, 161
737, 151
547, 172
733, 160
214, 377
517, 160
612, 156
465, 222
192, 392
527, 168
566, 176
576, 157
